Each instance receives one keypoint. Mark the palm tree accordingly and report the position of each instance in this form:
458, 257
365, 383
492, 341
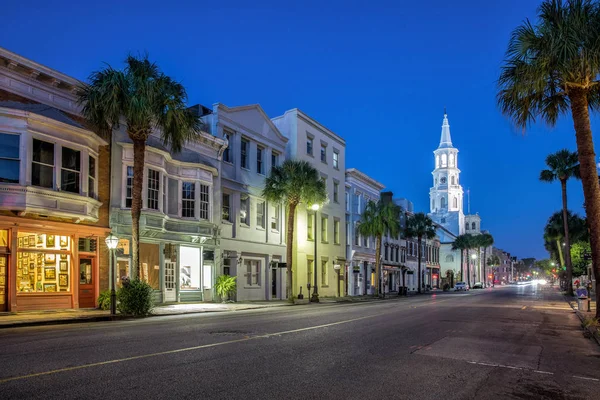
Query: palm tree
462, 243
377, 220
484, 241
420, 226
551, 69
492, 262
563, 165
146, 100
292, 183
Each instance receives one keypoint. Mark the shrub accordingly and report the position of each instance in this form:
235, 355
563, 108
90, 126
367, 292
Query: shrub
225, 286
446, 287
104, 300
135, 298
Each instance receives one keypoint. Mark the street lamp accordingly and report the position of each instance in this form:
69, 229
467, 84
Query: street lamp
111, 242
315, 294
473, 257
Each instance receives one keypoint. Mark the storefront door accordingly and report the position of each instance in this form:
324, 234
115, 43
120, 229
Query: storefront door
87, 295
170, 293
3, 284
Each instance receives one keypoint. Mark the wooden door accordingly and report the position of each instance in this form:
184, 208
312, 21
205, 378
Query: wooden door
87, 292
3, 282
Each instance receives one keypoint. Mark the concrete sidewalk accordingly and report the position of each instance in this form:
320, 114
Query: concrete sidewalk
57, 317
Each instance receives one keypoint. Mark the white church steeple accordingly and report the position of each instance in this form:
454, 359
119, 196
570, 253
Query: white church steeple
446, 195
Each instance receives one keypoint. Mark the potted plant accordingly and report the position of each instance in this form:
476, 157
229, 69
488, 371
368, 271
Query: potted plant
225, 286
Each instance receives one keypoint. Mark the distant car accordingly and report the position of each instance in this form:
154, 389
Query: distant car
478, 285
461, 286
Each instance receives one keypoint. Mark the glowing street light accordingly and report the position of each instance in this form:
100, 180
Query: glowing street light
315, 294
112, 242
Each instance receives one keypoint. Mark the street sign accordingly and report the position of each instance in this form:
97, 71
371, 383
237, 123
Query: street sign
587, 255
281, 265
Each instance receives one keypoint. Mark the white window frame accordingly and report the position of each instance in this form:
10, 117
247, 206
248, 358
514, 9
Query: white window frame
11, 159
192, 200
203, 203
246, 220
148, 189
336, 159
324, 229
336, 192
254, 276
260, 160
126, 185
275, 218
245, 153
260, 214
229, 197
93, 179
229, 149
311, 140
54, 160
336, 231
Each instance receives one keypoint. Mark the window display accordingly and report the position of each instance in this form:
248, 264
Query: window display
150, 264
189, 274
43, 263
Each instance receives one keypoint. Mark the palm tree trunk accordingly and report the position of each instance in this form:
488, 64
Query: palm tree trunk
563, 184
289, 251
139, 154
468, 270
462, 264
377, 263
479, 262
484, 269
419, 263
589, 177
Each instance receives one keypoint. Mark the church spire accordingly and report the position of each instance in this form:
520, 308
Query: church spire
445, 140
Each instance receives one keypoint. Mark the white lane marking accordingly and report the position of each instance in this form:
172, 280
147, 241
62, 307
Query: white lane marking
586, 378
544, 372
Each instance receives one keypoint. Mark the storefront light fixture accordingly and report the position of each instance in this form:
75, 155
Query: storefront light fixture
473, 256
111, 241
314, 207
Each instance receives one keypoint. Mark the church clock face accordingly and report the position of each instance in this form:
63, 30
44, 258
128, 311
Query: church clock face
442, 180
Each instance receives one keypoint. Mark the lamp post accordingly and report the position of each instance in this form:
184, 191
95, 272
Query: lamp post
473, 257
315, 294
111, 242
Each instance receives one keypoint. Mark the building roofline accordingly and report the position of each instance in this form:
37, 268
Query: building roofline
315, 123
365, 178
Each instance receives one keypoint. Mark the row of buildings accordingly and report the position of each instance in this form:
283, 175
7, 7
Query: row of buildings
64, 188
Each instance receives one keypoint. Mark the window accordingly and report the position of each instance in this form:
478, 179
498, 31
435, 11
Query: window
397, 253
355, 204
204, 201
450, 258
444, 160
455, 202
433, 204
91, 177
274, 159
324, 229
260, 214
172, 197
365, 241
245, 209
310, 265
225, 212
347, 201
385, 257
309, 225
227, 266
244, 153
453, 180
443, 203
473, 225
336, 160
356, 235
188, 199
259, 160
347, 234
336, 189
451, 160
9, 158
252, 272
129, 187
42, 166
275, 218
437, 161
70, 171
336, 231
466, 226
324, 153
324, 273
153, 189
309, 146
227, 152
189, 270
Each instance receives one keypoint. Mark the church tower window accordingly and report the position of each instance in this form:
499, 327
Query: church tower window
453, 180
443, 203
437, 161
455, 203
451, 160
473, 226
466, 226
444, 161
432, 205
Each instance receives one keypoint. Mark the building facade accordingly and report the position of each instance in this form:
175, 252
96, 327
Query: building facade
360, 250
310, 141
252, 230
54, 189
179, 223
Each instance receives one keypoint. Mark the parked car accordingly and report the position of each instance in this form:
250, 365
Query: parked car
461, 286
478, 285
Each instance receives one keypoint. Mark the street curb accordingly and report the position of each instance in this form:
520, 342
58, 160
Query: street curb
64, 321
593, 331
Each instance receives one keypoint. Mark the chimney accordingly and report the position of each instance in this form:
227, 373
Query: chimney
386, 197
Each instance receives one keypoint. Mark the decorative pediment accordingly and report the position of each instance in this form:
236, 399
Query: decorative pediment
253, 118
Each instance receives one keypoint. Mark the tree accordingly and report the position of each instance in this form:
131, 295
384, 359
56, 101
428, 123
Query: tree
492, 262
563, 165
484, 241
292, 183
377, 220
580, 264
462, 243
420, 226
551, 69
147, 101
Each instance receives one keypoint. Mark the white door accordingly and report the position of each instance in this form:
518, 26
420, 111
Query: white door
170, 293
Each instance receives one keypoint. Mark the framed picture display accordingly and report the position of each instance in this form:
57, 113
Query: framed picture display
40, 258
32, 257
2, 280
32, 266
50, 241
50, 287
20, 242
31, 242
63, 256
63, 242
19, 263
50, 258
50, 273
2, 262
64, 266
25, 271
39, 277
40, 240
2, 271
63, 280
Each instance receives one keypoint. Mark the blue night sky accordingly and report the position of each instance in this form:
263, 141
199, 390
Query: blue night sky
378, 74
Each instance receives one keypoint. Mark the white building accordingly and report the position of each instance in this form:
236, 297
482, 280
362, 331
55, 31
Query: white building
360, 253
311, 141
252, 239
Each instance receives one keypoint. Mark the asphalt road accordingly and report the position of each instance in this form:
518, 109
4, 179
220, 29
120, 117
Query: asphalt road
511, 342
